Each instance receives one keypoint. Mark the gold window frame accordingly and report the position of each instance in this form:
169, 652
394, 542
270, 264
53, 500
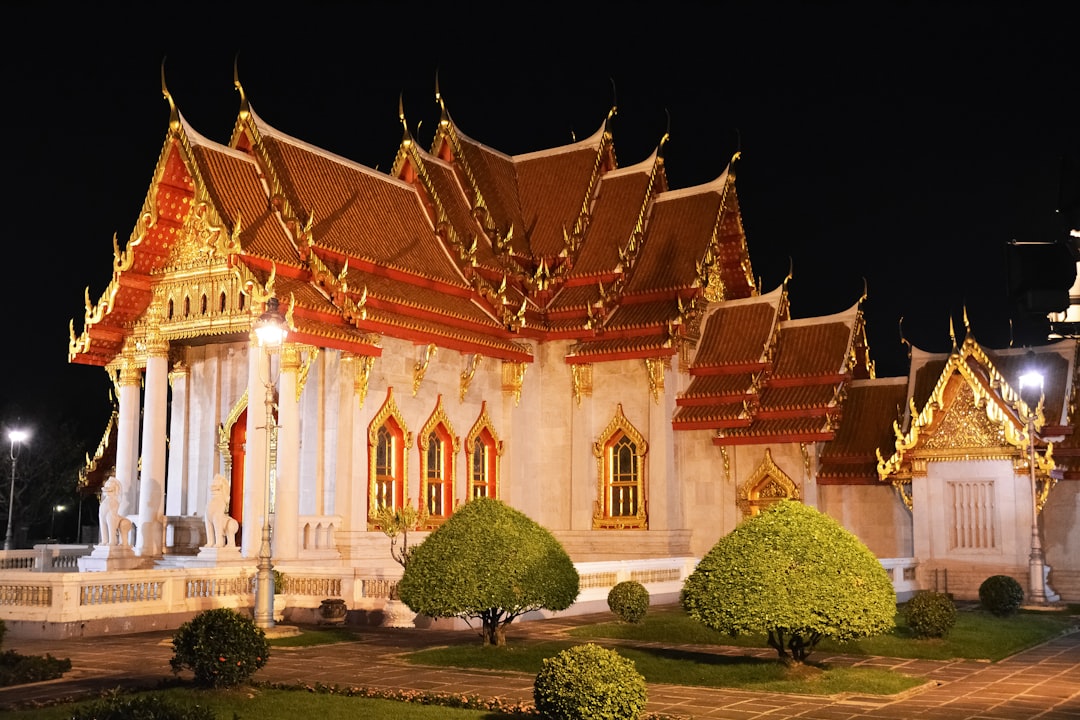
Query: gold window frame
440, 425
495, 448
387, 413
618, 427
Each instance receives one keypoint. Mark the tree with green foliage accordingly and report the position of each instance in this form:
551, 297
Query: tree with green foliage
490, 562
795, 575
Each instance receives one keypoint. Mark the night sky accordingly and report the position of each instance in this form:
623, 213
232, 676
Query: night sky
898, 144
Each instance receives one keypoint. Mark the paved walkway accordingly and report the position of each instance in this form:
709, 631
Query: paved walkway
1043, 682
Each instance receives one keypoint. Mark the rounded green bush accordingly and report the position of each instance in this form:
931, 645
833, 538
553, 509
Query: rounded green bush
930, 614
117, 706
221, 646
588, 682
1001, 595
629, 600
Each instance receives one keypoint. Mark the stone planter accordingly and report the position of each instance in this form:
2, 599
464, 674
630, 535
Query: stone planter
332, 611
398, 614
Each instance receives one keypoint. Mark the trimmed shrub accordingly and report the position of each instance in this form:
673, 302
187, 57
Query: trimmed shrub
795, 575
117, 706
930, 614
588, 682
1001, 595
221, 646
16, 669
490, 562
629, 600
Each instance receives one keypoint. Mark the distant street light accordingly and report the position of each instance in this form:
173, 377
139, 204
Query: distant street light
52, 520
270, 330
16, 437
1031, 392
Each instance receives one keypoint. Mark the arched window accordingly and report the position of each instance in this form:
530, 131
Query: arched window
483, 448
438, 448
620, 453
387, 442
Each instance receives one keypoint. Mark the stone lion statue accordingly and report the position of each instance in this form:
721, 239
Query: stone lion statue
220, 527
114, 528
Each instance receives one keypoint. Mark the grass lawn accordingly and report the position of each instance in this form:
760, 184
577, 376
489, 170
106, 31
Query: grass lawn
977, 635
683, 667
268, 704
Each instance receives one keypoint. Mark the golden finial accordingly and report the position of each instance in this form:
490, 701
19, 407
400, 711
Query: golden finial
666, 136
967, 325
865, 292
444, 117
614, 106
952, 333
245, 109
174, 114
790, 272
904, 340
406, 138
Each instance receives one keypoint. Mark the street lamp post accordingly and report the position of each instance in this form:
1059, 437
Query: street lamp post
16, 437
270, 330
52, 520
1031, 392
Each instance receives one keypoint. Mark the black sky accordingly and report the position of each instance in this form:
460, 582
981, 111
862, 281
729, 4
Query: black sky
900, 144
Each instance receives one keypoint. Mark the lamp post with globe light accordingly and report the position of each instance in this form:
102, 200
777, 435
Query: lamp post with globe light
1031, 392
16, 437
270, 330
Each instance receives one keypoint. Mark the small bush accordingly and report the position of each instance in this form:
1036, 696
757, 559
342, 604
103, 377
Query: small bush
931, 614
588, 682
1001, 595
629, 600
221, 646
116, 706
16, 669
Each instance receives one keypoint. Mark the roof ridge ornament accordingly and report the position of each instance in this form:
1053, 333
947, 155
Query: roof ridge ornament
174, 114
406, 138
614, 107
444, 116
665, 137
245, 108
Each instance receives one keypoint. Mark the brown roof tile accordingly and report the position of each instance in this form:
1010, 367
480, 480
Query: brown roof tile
552, 188
678, 232
736, 332
236, 189
869, 410
809, 349
614, 216
359, 212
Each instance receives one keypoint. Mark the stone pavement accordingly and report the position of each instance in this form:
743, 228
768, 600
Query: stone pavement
1043, 682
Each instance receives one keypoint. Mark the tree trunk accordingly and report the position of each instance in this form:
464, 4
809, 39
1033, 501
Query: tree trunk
494, 632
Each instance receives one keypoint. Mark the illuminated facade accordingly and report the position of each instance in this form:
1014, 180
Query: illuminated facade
566, 334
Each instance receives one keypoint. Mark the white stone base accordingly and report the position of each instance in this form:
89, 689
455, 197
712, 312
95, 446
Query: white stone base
217, 556
110, 557
397, 614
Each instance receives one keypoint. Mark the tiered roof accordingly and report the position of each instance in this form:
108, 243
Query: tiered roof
759, 376
462, 246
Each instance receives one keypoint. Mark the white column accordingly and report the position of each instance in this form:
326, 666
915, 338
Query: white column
127, 434
287, 495
152, 479
254, 450
177, 479
659, 488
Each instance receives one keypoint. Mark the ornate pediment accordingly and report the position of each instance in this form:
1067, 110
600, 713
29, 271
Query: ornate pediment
964, 425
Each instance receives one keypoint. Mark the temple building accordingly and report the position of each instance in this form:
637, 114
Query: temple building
557, 330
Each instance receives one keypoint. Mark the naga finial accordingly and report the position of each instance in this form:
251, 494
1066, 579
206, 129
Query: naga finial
174, 114
245, 109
